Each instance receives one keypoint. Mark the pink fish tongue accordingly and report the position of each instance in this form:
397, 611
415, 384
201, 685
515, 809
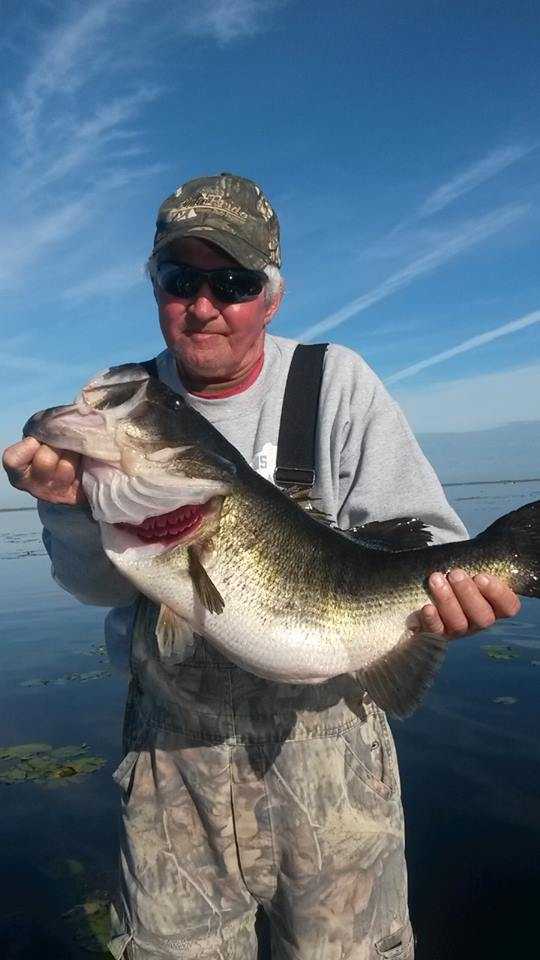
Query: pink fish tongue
168, 526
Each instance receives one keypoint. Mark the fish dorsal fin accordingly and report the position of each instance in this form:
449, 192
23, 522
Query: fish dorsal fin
398, 680
174, 635
207, 592
400, 533
302, 496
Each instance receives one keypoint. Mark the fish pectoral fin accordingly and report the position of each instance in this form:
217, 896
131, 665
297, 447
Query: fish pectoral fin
207, 592
398, 680
174, 634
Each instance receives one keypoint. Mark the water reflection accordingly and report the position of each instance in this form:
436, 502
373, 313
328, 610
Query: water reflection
469, 761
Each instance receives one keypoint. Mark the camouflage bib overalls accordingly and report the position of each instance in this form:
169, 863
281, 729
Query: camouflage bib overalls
239, 792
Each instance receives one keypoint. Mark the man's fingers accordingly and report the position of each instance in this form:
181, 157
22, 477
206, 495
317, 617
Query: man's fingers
502, 600
456, 623
44, 464
57, 467
66, 469
44, 472
17, 458
466, 605
476, 608
430, 621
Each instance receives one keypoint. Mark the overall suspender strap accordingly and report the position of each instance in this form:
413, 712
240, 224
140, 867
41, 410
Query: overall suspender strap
295, 462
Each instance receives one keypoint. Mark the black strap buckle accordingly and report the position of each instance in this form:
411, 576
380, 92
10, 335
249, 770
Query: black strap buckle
293, 476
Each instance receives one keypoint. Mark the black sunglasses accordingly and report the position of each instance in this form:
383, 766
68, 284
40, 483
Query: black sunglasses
229, 284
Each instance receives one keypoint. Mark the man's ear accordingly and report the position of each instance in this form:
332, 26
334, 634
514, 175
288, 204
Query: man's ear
273, 306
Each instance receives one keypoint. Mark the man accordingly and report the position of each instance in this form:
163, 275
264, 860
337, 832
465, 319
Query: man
238, 791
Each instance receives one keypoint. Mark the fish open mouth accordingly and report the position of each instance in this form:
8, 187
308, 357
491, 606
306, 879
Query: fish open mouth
169, 527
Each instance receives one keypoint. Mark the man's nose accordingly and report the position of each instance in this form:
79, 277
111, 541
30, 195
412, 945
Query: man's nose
203, 306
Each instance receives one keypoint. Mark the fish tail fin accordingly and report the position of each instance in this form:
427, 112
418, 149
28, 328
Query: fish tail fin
398, 680
516, 538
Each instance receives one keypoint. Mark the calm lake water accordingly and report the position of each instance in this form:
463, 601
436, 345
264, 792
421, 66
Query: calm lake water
470, 765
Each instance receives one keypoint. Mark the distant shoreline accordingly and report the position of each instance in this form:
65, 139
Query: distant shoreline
481, 483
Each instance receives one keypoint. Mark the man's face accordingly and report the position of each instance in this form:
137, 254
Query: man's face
211, 340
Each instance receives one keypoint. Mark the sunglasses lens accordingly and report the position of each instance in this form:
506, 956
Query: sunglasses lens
178, 281
237, 286
229, 285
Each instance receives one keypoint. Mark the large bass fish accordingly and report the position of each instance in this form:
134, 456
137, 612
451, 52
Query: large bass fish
223, 551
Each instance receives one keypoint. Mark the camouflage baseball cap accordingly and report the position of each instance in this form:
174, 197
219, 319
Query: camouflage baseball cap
230, 211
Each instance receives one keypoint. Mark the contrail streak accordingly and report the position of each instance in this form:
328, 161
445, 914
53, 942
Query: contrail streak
470, 344
490, 165
473, 232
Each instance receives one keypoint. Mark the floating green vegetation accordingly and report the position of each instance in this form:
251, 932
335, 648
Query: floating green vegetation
89, 923
507, 700
66, 869
40, 761
499, 651
67, 678
98, 650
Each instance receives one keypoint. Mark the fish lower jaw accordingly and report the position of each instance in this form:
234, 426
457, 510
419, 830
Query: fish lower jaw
158, 534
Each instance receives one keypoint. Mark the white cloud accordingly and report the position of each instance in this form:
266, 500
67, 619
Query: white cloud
399, 242
469, 233
486, 168
73, 125
72, 117
478, 402
407, 235
88, 140
227, 20
466, 345
26, 242
69, 54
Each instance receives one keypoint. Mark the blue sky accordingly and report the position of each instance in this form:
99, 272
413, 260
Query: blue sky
399, 144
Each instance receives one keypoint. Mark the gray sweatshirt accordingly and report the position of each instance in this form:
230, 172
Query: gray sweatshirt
368, 467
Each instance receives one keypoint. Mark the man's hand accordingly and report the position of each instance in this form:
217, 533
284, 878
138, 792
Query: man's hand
462, 604
44, 472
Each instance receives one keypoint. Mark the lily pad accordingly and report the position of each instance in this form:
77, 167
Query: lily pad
62, 772
100, 650
13, 775
87, 764
63, 753
91, 675
39, 761
38, 765
508, 700
89, 923
496, 651
67, 678
66, 868
23, 751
